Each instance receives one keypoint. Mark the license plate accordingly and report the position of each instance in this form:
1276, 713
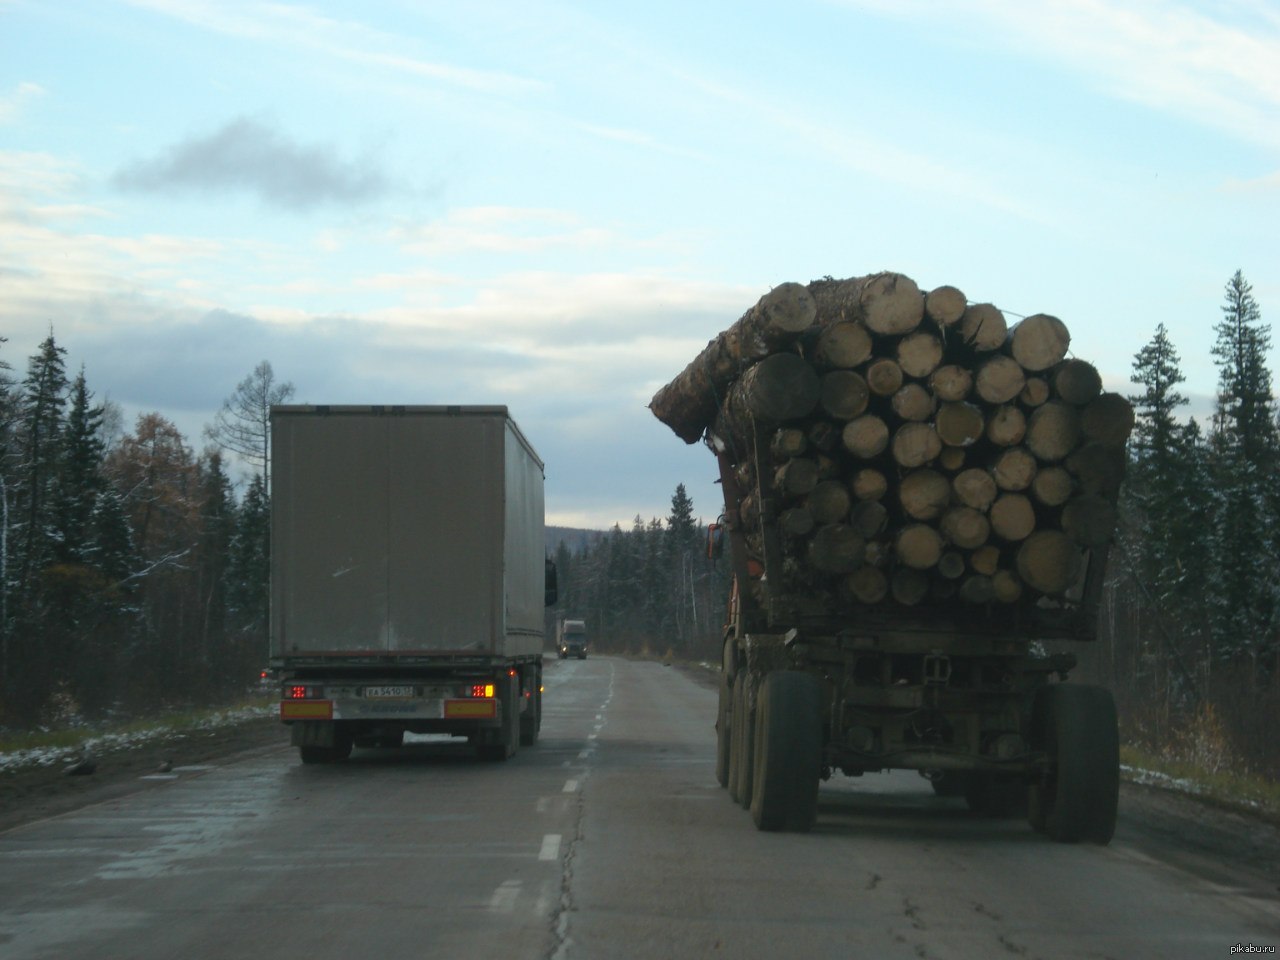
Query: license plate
388, 693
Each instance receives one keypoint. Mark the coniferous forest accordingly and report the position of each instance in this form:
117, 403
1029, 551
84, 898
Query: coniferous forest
133, 569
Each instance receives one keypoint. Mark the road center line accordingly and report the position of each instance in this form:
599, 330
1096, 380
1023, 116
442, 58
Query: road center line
570, 786
550, 847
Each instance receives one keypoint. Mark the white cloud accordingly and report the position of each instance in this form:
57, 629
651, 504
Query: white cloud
284, 25
14, 102
1221, 70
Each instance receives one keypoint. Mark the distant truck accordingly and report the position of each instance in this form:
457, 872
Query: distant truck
408, 577
571, 639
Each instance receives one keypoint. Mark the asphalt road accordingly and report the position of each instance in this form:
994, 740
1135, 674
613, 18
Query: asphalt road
609, 839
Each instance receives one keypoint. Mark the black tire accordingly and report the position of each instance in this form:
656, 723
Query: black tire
723, 716
531, 719
1075, 724
788, 752
506, 738
742, 738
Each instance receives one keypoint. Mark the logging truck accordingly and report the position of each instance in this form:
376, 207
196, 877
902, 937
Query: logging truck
408, 577
918, 503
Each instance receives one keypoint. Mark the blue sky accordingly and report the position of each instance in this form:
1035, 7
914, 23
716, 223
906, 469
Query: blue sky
555, 205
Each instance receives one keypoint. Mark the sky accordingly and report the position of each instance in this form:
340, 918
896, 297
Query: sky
554, 206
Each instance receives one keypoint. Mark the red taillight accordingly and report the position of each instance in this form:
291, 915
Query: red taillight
482, 690
297, 693
262, 675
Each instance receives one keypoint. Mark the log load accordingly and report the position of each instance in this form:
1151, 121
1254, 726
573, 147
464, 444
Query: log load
911, 449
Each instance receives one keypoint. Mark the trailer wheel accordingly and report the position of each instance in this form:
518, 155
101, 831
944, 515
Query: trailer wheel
723, 709
338, 752
950, 784
788, 752
741, 744
501, 743
1076, 725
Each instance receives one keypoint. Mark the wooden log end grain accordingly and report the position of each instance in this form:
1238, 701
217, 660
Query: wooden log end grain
913, 402
869, 518
884, 377
796, 521
1039, 342
975, 488
1014, 469
924, 494
985, 560
965, 528
788, 310
892, 304
1053, 431
959, 424
866, 585
1013, 518
951, 458
983, 327
1007, 426
1035, 392
915, 444
919, 354
788, 442
944, 305
865, 437
797, 477
1053, 486
1050, 562
1077, 382
918, 546
843, 394
1006, 586
951, 382
999, 379
780, 387
842, 345
829, 502
836, 548
870, 484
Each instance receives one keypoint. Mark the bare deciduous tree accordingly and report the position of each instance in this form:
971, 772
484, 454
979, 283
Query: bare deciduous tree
243, 425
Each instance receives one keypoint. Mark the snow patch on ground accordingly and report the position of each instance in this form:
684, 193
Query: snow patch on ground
107, 742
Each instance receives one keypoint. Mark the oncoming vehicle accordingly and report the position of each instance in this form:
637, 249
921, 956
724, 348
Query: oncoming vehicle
571, 639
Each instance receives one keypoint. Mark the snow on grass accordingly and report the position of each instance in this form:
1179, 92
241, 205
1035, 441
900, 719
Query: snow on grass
92, 744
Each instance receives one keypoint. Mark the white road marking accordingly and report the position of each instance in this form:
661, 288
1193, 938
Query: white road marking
570, 786
504, 898
550, 847
582, 755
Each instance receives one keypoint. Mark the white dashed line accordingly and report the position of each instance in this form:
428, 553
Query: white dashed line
504, 898
550, 847
570, 786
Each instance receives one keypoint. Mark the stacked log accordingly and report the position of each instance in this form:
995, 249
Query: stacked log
910, 446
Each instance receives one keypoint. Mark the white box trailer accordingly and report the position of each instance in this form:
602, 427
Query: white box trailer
408, 576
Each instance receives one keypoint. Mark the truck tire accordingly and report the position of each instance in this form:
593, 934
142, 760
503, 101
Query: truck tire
951, 784
1075, 724
724, 707
501, 743
740, 739
531, 719
338, 752
788, 752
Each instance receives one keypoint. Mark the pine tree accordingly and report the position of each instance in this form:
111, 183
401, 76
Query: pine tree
44, 394
217, 529
249, 565
80, 480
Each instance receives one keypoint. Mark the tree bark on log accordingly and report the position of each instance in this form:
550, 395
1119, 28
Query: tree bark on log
1039, 342
1077, 382
1053, 431
924, 494
844, 394
983, 327
1090, 520
1098, 468
690, 402
1108, 420
944, 305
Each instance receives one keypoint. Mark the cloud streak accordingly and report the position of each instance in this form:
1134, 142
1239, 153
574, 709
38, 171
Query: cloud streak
247, 156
